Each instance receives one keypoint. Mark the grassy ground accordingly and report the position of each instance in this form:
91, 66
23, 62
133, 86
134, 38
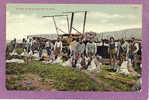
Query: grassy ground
122, 86
63, 78
38, 76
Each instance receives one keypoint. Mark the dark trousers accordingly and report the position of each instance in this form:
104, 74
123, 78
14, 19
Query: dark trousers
48, 51
40, 52
133, 58
112, 56
32, 48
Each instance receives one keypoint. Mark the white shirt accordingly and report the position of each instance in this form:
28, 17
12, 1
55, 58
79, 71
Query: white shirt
47, 44
58, 45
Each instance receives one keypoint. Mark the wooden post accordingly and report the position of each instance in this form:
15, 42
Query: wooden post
72, 16
67, 23
84, 22
55, 24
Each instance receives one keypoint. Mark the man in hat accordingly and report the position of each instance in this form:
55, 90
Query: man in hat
123, 50
47, 46
73, 46
91, 48
29, 44
134, 48
58, 47
41, 47
80, 48
112, 52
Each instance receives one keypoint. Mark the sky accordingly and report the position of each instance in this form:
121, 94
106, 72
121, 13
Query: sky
26, 19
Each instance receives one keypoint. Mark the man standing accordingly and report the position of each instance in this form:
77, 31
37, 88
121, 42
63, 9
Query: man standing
123, 50
91, 48
29, 44
112, 51
33, 45
47, 46
80, 48
51, 47
41, 47
134, 48
72, 47
58, 47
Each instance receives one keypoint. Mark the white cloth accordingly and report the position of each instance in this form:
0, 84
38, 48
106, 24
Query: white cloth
86, 60
67, 63
23, 54
44, 53
15, 61
36, 55
58, 61
92, 66
13, 53
46, 62
29, 54
124, 68
78, 65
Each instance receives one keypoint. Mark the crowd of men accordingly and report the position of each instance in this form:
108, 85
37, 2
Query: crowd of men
124, 51
84, 51
82, 54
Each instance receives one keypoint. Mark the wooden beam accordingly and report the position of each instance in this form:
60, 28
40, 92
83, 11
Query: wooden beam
71, 23
76, 30
84, 21
67, 23
55, 25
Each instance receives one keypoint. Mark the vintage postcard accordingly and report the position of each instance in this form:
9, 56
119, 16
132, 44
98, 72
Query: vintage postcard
83, 48
75, 50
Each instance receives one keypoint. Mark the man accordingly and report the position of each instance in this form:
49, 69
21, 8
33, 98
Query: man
112, 51
134, 48
58, 47
33, 42
47, 46
29, 44
13, 43
41, 47
51, 47
80, 48
24, 42
123, 50
91, 48
72, 47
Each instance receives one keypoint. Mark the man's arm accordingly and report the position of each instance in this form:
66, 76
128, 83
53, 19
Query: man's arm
55, 45
86, 48
137, 48
95, 48
61, 46
118, 48
127, 50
